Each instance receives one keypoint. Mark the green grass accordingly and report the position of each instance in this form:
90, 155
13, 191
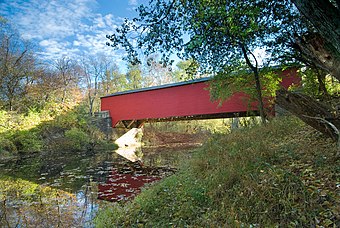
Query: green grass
262, 176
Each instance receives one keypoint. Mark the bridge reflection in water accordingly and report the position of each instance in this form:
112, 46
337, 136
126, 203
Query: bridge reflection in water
125, 183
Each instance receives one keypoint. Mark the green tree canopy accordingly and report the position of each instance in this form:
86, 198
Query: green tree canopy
134, 76
211, 32
218, 35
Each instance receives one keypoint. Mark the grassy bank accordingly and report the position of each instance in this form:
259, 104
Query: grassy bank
283, 174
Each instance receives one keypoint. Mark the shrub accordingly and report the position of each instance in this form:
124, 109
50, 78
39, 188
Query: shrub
66, 120
77, 138
4, 121
7, 145
27, 141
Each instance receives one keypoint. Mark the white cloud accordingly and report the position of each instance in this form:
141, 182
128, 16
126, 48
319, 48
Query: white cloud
111, 22
40, 19
99, 21
76, 43
94, 43
63, 27
133, 2
53, 49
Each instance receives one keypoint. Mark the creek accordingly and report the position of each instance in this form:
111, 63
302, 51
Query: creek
67, 189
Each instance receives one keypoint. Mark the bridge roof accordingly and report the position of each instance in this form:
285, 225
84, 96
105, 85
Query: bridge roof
178, 84
160, 87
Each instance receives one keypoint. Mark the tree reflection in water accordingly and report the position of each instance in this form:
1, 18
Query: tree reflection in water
67, 190
26, 204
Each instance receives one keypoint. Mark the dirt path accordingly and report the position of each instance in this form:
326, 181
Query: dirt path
173, 139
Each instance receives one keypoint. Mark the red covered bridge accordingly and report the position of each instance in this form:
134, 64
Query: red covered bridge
179, 101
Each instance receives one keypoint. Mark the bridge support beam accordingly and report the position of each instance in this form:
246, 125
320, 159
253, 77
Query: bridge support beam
133, 123
128, 124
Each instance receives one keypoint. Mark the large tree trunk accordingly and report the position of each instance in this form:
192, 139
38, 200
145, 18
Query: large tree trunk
312, 112
324, 51
324, 16
317, 50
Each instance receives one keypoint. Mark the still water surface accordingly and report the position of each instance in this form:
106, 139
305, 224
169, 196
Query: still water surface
67, 189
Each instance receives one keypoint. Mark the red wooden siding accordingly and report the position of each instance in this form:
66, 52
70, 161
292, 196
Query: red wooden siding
178, 101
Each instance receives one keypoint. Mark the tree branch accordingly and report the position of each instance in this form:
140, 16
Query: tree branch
166, 14
336, 130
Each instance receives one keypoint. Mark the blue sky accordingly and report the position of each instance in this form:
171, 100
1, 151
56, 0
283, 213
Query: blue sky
72, 28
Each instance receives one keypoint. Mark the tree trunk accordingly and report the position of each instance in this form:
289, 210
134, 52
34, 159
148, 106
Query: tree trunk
91, 101
324, 16
257, 82
10, 103
259, 95
310, 111
317, 50
322, 85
